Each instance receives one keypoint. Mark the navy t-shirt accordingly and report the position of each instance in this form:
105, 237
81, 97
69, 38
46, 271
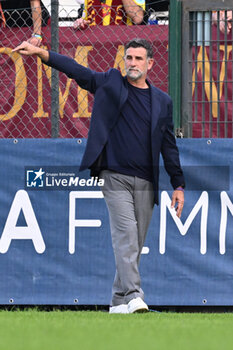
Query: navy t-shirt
128, 150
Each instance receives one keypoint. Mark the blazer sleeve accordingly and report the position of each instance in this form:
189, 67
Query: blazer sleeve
170, 152
85, 77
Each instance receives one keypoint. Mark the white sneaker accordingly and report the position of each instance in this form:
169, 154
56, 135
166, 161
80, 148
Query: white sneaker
119, 309
137, 305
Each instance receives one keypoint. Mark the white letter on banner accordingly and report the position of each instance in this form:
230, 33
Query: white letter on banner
12, 231
80, 223
202, 203
225, 203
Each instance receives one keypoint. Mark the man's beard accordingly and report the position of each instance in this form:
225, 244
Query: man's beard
134, 74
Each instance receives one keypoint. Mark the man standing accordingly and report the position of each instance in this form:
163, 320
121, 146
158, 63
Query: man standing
131, 126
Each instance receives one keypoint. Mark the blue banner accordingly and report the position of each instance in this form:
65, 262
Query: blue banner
55, 244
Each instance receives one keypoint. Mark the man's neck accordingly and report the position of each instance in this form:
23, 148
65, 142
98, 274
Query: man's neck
140, 83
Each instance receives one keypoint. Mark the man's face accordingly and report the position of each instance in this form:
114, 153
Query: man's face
136, 63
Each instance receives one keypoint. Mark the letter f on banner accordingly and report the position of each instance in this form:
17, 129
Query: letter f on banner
202, 203
73, 222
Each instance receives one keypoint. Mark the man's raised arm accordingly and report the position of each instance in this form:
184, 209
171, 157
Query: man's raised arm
85, 77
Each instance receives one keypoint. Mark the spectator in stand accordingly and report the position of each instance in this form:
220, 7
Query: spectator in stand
111, 12
25, 13
225, 19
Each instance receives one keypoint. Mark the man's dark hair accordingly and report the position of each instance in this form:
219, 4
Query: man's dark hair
140, 43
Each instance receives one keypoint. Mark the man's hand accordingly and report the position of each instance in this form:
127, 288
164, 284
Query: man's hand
134, 11
178, 197
29, 50
81, 23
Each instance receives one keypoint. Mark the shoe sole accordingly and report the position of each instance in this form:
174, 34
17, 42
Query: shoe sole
139, 311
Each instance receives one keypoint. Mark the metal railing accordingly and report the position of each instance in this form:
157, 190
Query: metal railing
207, 69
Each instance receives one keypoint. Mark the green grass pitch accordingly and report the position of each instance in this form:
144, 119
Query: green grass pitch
84, 330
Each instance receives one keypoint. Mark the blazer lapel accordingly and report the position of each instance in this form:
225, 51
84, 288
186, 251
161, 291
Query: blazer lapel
124, 93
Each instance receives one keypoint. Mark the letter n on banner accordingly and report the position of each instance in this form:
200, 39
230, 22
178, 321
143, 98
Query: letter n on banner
225, 203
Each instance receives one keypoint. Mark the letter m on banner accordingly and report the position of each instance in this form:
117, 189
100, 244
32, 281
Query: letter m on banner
202, 203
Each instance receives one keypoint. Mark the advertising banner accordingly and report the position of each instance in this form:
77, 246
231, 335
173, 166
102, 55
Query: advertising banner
55, 244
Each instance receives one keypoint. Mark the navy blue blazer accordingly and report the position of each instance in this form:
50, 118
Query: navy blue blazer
111, 92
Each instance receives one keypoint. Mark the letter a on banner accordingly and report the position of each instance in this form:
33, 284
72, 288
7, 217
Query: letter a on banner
12, 231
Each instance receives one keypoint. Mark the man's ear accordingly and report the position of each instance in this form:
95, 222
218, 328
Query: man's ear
150, 63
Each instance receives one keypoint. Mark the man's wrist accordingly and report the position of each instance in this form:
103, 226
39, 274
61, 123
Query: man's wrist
37, 36
42, 54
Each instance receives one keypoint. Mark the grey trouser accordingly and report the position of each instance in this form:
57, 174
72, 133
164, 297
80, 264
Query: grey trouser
130, 202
